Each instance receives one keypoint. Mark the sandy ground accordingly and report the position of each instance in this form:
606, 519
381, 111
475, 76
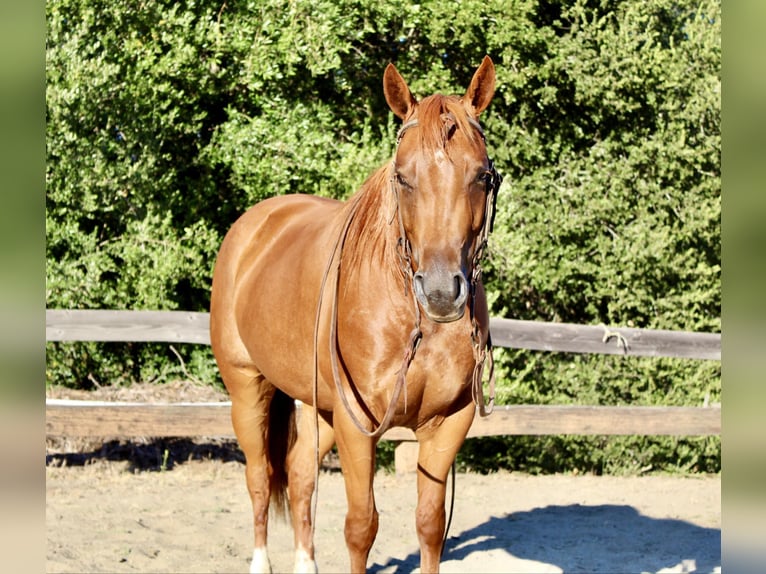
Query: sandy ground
104, 517
110, 507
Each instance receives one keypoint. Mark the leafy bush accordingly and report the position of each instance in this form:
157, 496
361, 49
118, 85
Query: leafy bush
166, 120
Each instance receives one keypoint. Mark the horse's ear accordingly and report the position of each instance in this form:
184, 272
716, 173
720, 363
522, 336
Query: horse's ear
479, 94
398, 95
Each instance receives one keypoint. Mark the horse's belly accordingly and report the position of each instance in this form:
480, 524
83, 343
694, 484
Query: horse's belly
276, 296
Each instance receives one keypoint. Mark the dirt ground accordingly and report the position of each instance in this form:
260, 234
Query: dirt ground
103, 517
126, 507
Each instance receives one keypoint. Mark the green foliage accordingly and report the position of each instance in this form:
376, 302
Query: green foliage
166, 120
616, 455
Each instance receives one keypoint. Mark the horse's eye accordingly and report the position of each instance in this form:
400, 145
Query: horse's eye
403, 182
483, 178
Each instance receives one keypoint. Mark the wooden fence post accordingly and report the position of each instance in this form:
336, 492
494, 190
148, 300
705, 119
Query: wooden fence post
406, 457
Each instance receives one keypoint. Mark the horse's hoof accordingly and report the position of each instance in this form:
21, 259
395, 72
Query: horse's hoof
260, 563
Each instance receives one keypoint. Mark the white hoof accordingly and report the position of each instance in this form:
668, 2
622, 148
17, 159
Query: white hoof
303, 563
260, 563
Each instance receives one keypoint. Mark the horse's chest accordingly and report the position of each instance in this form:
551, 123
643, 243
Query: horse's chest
442, 371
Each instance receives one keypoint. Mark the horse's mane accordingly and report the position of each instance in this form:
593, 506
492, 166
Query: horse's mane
374, 213
438, 117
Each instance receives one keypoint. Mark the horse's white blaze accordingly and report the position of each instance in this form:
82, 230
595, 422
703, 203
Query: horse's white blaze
260, 563
304, 564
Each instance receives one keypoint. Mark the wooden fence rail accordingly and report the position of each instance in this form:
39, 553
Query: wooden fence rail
90, 418
189, 327
72, 418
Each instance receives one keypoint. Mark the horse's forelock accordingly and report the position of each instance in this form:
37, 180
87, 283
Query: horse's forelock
434, 115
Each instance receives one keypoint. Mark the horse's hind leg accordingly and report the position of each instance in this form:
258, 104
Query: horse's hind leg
301, 468
251, 396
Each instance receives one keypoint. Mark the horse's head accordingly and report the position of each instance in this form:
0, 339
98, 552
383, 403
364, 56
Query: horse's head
444, 185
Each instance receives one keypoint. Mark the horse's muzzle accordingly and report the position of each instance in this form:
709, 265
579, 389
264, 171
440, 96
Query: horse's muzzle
442, 294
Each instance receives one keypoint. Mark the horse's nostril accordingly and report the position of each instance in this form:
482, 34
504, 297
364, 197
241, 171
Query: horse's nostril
461, 288
418, 283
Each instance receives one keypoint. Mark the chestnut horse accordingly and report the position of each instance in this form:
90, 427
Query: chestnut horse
370, 312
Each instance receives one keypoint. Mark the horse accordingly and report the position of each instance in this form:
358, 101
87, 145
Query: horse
371, 313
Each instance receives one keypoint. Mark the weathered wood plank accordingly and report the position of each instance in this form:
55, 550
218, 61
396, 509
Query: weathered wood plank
101, 419
189, 327
567, 337
598, 420
127, 326
90, 418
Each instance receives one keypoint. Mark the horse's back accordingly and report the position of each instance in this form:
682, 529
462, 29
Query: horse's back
266, 281
266, 223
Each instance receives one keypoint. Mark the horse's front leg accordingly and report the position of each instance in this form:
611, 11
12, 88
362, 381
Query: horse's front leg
438, 447
357, 459
301, 469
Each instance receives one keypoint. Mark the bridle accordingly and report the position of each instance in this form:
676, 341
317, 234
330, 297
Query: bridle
482, 353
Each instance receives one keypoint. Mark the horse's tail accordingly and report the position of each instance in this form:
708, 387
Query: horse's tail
281, 437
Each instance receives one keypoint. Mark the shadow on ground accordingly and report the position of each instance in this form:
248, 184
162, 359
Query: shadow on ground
153, 454
147, 456
608, 538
